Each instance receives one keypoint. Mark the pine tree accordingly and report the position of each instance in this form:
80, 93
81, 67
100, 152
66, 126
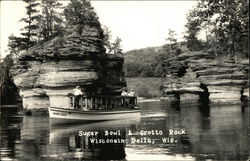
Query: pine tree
30, 30
116, 46
16, 44
50, 20
106, 39
80, 12
172, 41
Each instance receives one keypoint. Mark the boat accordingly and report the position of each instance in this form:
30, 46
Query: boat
95, 108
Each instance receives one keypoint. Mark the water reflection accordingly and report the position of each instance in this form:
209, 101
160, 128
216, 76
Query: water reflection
93, 141
216, 132
10, 132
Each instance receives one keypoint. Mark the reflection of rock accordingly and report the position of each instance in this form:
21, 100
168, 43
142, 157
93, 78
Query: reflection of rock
76, 59
34, 138
76, 146
224, 81
211, 136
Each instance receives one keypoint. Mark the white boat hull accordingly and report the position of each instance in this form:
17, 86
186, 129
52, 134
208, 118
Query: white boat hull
63, 116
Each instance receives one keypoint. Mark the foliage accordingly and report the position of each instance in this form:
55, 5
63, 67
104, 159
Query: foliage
8, 90
151, 62
226, 25
80, 12
16, 44
111, 47
116, 46
29, 34
107, 38
38, 27
147, 87
146, 92
171, 40
193, 27
140, 62
31, 20
51, 21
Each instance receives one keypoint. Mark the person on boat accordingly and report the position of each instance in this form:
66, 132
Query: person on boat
131, 93
77, 93
124, 93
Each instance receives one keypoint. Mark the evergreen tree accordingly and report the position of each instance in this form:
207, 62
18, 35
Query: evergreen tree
30, 29
80, 12
172, 41
116, 46
50, 20
16, 44
106, 39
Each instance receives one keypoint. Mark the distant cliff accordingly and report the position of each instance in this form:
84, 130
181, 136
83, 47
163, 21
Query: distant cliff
46, 73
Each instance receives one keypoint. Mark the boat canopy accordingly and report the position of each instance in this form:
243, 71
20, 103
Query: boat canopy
102, 102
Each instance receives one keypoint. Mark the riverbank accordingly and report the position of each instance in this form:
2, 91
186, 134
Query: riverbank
145, 87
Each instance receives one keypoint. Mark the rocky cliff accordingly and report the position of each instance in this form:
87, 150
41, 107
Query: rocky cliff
46, 73
221, 81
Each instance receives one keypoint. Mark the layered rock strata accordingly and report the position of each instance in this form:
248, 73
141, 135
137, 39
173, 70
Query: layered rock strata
222, 81
47, 73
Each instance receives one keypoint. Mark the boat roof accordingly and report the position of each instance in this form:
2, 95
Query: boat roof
104, 96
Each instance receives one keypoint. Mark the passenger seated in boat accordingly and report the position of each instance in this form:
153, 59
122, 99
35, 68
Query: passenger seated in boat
77, 93
124, 93
131, 93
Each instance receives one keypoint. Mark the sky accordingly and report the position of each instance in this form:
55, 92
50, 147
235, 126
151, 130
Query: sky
139, 24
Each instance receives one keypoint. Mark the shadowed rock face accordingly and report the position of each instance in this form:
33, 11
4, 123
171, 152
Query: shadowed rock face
46, 73
226, 82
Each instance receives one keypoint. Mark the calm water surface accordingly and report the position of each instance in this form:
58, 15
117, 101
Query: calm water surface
217, 133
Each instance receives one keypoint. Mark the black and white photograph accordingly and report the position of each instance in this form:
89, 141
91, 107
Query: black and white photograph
128, 80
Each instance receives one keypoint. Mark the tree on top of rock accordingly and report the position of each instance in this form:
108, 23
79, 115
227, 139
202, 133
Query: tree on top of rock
80, 12
116, 46
226, 25
51, 20
16, 44
193, 28
171, 37
171, 41
111, 47
30, 30
107, 39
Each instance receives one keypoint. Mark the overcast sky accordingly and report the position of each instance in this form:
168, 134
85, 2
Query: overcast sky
139, 24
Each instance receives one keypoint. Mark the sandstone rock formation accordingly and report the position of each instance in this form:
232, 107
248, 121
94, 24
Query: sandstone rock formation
46, 73
223, 81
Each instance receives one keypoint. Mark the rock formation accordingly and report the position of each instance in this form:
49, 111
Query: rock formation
46, 73
222, 81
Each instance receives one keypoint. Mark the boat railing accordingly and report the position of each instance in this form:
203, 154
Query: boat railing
102, 102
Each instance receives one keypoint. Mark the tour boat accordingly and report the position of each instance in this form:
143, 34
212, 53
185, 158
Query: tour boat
95, 108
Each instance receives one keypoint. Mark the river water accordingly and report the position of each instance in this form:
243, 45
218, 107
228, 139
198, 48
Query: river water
164, 132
